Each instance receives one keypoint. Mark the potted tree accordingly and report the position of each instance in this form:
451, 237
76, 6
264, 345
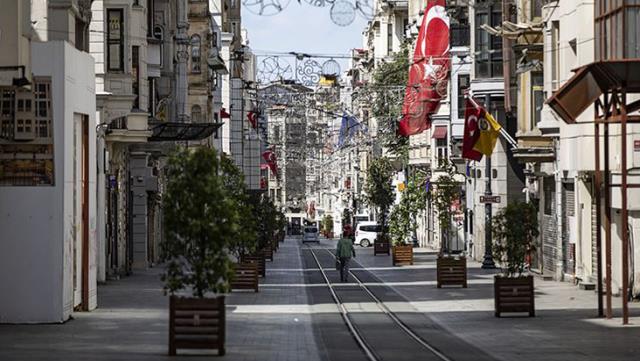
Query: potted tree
451, 269
243, 242
401, 220
199, 221
379, 194
327, 226
515, 229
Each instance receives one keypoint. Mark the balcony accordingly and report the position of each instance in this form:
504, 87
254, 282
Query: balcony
132, 128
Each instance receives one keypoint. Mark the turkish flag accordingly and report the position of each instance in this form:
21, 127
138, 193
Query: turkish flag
270, 157
471, 130
253, 119
429, 71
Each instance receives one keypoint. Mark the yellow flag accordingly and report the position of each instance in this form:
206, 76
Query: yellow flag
489, 132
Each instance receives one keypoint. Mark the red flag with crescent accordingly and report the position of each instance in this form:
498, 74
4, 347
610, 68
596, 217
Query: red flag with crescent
429, 71
252, 117
270, 157
471, 130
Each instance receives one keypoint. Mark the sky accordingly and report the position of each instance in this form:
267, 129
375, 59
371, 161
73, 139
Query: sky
301, 27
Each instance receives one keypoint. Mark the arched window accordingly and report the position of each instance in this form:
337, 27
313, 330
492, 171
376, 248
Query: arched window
195, 54
196, 114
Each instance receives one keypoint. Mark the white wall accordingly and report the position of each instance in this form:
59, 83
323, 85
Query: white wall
36, 269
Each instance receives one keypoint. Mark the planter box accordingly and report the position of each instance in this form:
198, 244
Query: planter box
451, 271
196, 323
259, 260
381, 248
402, 255
268, 253
245, 277
514, 295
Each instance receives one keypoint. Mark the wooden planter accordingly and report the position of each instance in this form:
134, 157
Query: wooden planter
381, 248
259, 260
514, 294
402, 255
451, 271
196, 323
245, 277
268, 253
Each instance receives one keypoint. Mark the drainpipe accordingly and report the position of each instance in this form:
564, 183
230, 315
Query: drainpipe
182, 55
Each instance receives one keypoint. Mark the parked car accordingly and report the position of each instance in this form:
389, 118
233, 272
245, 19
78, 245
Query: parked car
366, 233
310, 234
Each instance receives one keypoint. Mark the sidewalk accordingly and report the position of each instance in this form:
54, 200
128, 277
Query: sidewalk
565, 327
131, 323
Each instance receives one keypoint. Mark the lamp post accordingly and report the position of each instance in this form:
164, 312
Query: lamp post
487, 262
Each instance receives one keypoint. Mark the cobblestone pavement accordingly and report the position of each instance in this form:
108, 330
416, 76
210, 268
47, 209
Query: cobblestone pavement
293, 318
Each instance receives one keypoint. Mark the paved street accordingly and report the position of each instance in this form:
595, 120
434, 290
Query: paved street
294, 318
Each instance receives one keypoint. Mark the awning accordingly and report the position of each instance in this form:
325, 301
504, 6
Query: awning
440, 132
590, 82
175, 131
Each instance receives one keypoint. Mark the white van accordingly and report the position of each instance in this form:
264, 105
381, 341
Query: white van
366, 233
310, 234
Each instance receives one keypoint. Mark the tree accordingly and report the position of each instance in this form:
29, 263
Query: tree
379, 190
266, 216
447, 191
387, 92
515, 229
402, 219
200, 220
244, 241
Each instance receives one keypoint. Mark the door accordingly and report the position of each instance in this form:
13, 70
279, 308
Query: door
81, 212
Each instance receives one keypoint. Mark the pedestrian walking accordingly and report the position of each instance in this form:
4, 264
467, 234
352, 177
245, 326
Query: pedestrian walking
344, 252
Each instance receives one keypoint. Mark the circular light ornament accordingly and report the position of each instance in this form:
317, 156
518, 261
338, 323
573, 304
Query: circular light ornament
265, 7
365, 9
331, 67
342, 13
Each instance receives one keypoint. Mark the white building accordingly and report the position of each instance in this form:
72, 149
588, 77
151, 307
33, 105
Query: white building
48, 180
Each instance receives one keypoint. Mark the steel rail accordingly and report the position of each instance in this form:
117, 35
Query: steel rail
345, 314
395, 318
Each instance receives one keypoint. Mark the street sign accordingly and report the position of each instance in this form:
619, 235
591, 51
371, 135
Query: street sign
489, 199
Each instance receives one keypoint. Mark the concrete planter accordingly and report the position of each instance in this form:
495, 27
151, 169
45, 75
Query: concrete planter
514, 294
451, 271
196, 323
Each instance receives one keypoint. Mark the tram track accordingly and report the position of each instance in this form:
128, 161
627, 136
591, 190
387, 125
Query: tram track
372, 348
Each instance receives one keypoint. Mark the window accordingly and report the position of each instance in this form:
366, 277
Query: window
196, 114
115, 40
389, 39
195, 54
463, 87
617, 29
26, 115
549, 195
135, 75
442, 150
150, 12
536, 8
555, 55
537, 97
488, 49
158, 33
